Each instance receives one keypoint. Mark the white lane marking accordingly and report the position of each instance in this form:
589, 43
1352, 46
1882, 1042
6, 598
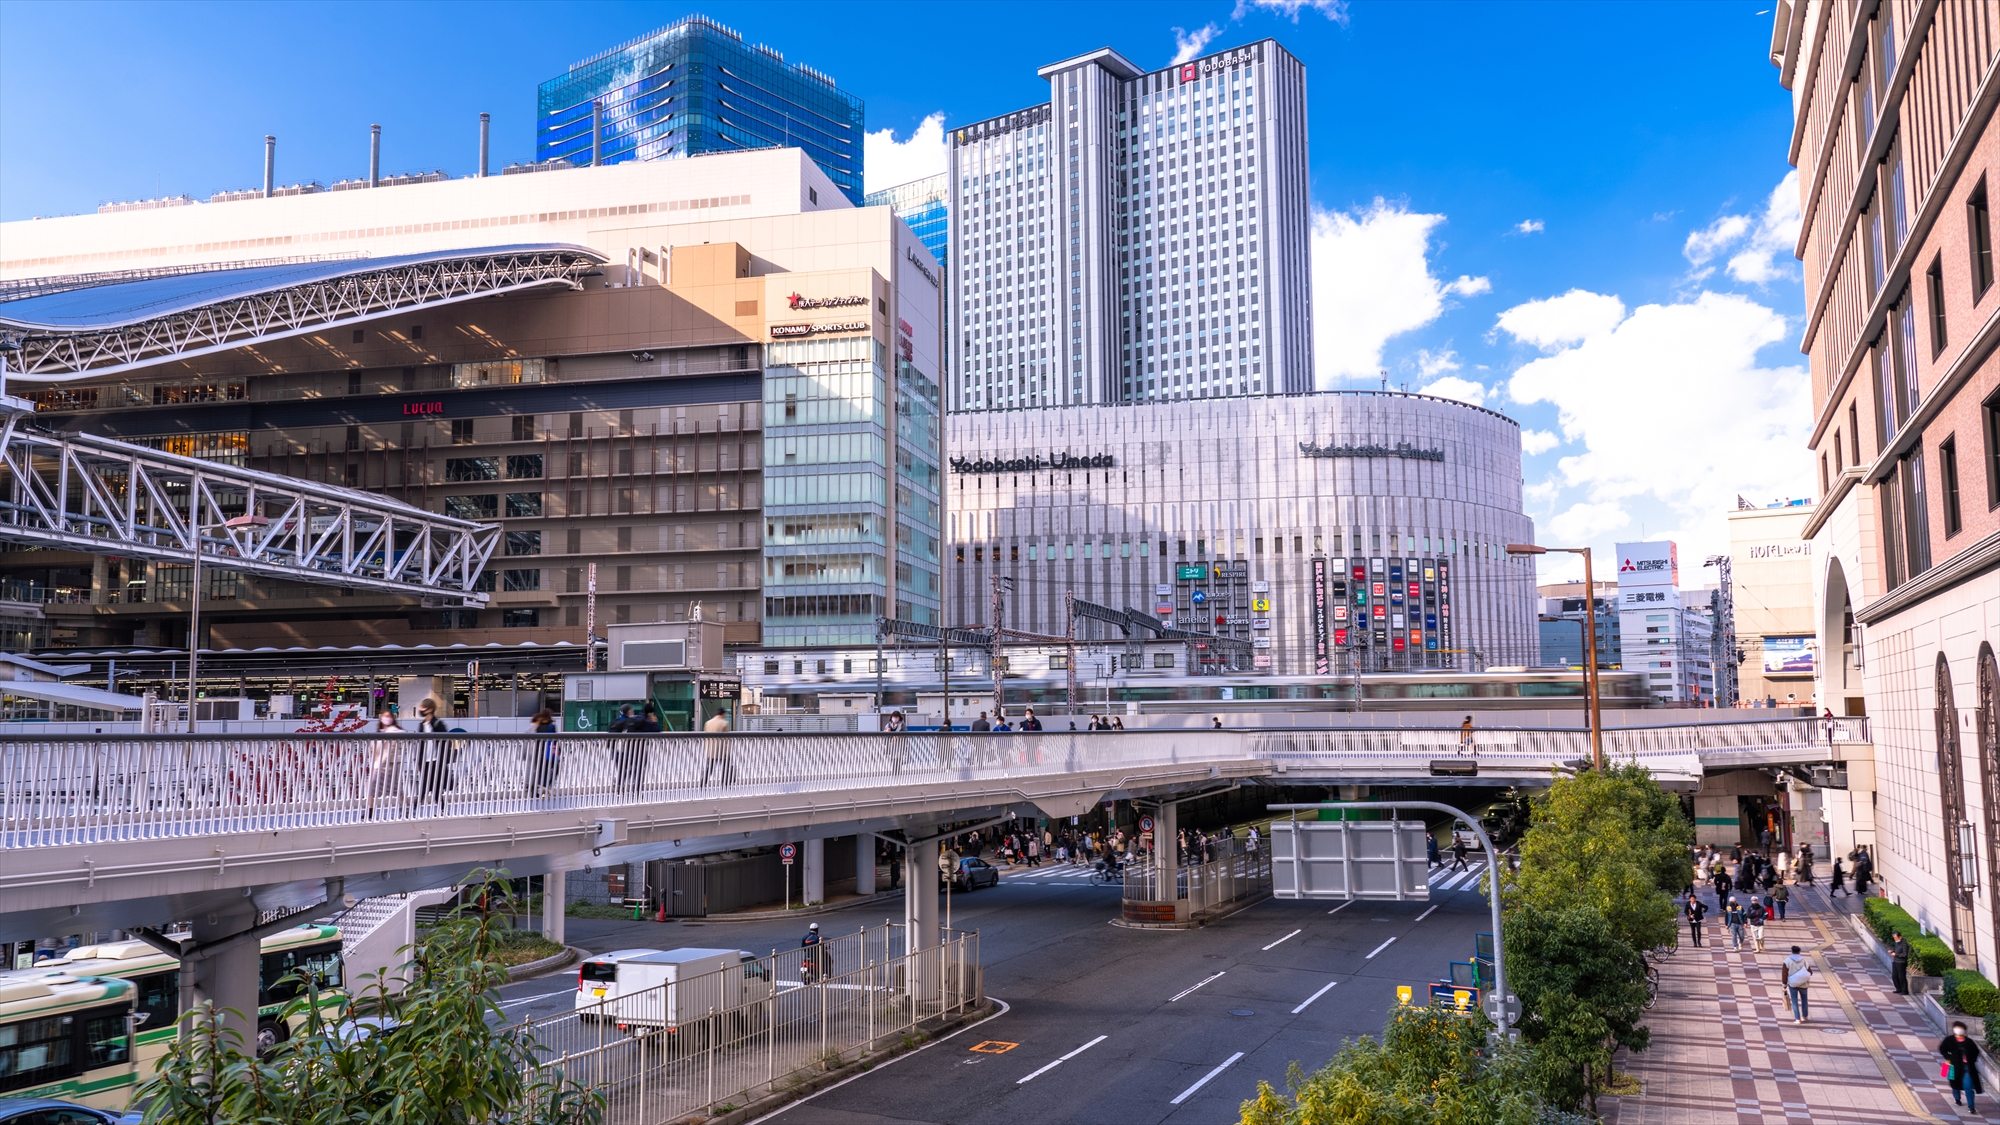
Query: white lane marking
1426, 913
1282, 940
1379, 949
1060, 1061
1314, 996
537, 996
1189, 1092
1342, 906
1185, 991
892, 1061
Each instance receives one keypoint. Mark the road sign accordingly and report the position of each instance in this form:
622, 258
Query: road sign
1511, 1005
1454, 996
1145, 824
788, 852
1403, 995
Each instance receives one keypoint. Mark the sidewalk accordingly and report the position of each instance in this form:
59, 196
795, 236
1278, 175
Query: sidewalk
1725, 1049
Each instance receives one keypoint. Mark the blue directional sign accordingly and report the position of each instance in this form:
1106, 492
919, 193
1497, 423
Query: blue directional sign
1198, 597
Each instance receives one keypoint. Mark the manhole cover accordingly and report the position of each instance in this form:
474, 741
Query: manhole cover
1241, 1012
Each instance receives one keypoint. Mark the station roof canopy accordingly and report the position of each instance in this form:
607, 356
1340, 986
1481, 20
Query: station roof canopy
103, 324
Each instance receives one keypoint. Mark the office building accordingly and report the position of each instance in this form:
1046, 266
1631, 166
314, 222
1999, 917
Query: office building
1771, 580
695, 87
1896, 150
924, 206
1140, 235
735, 416
1326, 533
1663, 630
1564, 618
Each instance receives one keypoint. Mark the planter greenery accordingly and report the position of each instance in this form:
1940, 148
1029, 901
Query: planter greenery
1929, 955
1966, 990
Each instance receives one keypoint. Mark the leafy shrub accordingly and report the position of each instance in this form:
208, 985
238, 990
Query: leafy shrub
1965, 990
1930, 954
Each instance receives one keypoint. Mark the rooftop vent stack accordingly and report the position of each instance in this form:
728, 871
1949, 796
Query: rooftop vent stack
596, 132
485, 133
270, 163
374, 156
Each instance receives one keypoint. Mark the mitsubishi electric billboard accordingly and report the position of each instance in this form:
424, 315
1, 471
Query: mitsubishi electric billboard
1656, 563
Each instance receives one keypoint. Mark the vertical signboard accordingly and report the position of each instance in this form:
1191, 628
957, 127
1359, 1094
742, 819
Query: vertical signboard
1322, 663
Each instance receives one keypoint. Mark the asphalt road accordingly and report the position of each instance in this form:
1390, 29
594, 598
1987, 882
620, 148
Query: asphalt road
1107, 1024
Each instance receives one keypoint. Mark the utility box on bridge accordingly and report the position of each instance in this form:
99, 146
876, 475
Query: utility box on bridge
1339, 859
677, 666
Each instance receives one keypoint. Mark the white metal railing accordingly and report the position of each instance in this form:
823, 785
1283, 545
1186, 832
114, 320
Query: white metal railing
1234, 873
77, 789
721, 1040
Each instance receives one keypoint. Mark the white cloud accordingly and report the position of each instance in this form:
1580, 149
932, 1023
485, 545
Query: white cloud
1582, 523
1758, 242
1538, 441
1335, 10
1528, 226
1672, 404
1553, 321
1372, 281
1710, 240
887, 162
1188, 44
1431, 364
1464, 390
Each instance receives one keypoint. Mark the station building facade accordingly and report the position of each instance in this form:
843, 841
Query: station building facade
736, 418
1333, 533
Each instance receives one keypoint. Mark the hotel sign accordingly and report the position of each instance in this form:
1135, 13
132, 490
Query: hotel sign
1055, 461
799, 302
1402, 449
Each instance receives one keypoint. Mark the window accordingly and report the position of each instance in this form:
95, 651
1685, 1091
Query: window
359, 335
159, 1000
1163, 660
319, 963
524, 428
770, 667
472, 468
1989, 413
524, 466
472, 507
1979, 239
1854, 432
524, 542
1825, 482
1948, 484
461, 431
1934, 290
524, 504
1058, 663
521, 618
521, 580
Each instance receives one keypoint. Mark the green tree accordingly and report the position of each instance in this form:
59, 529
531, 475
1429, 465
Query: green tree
1431, 1067
446, 1058
1582, 991
1611, 840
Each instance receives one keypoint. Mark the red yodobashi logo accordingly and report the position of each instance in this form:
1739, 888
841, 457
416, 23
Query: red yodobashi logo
1190, 72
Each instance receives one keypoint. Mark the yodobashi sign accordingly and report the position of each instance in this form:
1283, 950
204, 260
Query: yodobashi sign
1648, 564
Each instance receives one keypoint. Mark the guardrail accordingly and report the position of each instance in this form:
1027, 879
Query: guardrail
721, 1040
87, 789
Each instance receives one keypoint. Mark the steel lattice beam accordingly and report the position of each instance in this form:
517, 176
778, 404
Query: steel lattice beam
54, 356
93, 494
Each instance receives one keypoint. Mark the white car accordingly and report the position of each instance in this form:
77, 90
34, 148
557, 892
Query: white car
597, 979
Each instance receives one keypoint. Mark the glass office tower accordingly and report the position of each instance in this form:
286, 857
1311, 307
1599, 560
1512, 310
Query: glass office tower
695, 87
923, 207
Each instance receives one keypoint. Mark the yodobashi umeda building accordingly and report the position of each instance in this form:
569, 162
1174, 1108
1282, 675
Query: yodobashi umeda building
733, 407
1340, 531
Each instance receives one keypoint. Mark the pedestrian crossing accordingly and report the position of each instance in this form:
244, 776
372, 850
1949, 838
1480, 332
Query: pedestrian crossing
1053, 874
1445, 879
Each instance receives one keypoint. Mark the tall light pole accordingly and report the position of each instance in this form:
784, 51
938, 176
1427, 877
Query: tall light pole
1589, 641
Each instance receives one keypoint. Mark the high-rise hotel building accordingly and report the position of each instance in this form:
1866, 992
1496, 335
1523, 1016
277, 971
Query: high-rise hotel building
1141, 235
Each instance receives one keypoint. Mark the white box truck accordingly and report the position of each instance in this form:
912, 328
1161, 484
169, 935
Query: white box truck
675, 991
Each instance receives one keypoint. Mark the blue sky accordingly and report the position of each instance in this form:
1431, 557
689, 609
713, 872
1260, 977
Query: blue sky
1565, 212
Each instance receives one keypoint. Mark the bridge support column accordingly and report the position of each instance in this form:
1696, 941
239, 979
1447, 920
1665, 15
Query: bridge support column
223, 968
554, 892
920, 894
812, 884
1167, 859
864, 864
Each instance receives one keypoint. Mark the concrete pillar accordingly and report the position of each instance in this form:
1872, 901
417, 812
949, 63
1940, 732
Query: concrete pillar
224, 971
554, 891
1167, 852
864, 864
100, 579
812, 885
920, 894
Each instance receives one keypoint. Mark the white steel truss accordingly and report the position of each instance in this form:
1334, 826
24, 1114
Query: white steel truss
47, 355
93, 494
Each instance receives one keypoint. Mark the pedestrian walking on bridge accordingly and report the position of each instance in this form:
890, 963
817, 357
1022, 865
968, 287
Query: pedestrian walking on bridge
1733, 917
1961, 1056
1780, 895
1697, 913
1798, 974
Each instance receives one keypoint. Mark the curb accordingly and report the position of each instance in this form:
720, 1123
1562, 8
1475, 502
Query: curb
802, 912
569, 956
1192, 923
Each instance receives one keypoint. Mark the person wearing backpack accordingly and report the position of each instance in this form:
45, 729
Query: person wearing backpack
1780, 895
1733, 917
1757, 916
1798, 974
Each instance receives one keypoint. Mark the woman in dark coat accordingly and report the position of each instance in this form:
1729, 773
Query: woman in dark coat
1963, 1055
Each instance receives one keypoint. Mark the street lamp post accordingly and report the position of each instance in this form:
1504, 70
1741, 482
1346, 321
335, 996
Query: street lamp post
1589, 641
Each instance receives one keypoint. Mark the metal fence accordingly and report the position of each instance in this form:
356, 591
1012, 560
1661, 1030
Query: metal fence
721, 1040
1235, 873
86, 789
